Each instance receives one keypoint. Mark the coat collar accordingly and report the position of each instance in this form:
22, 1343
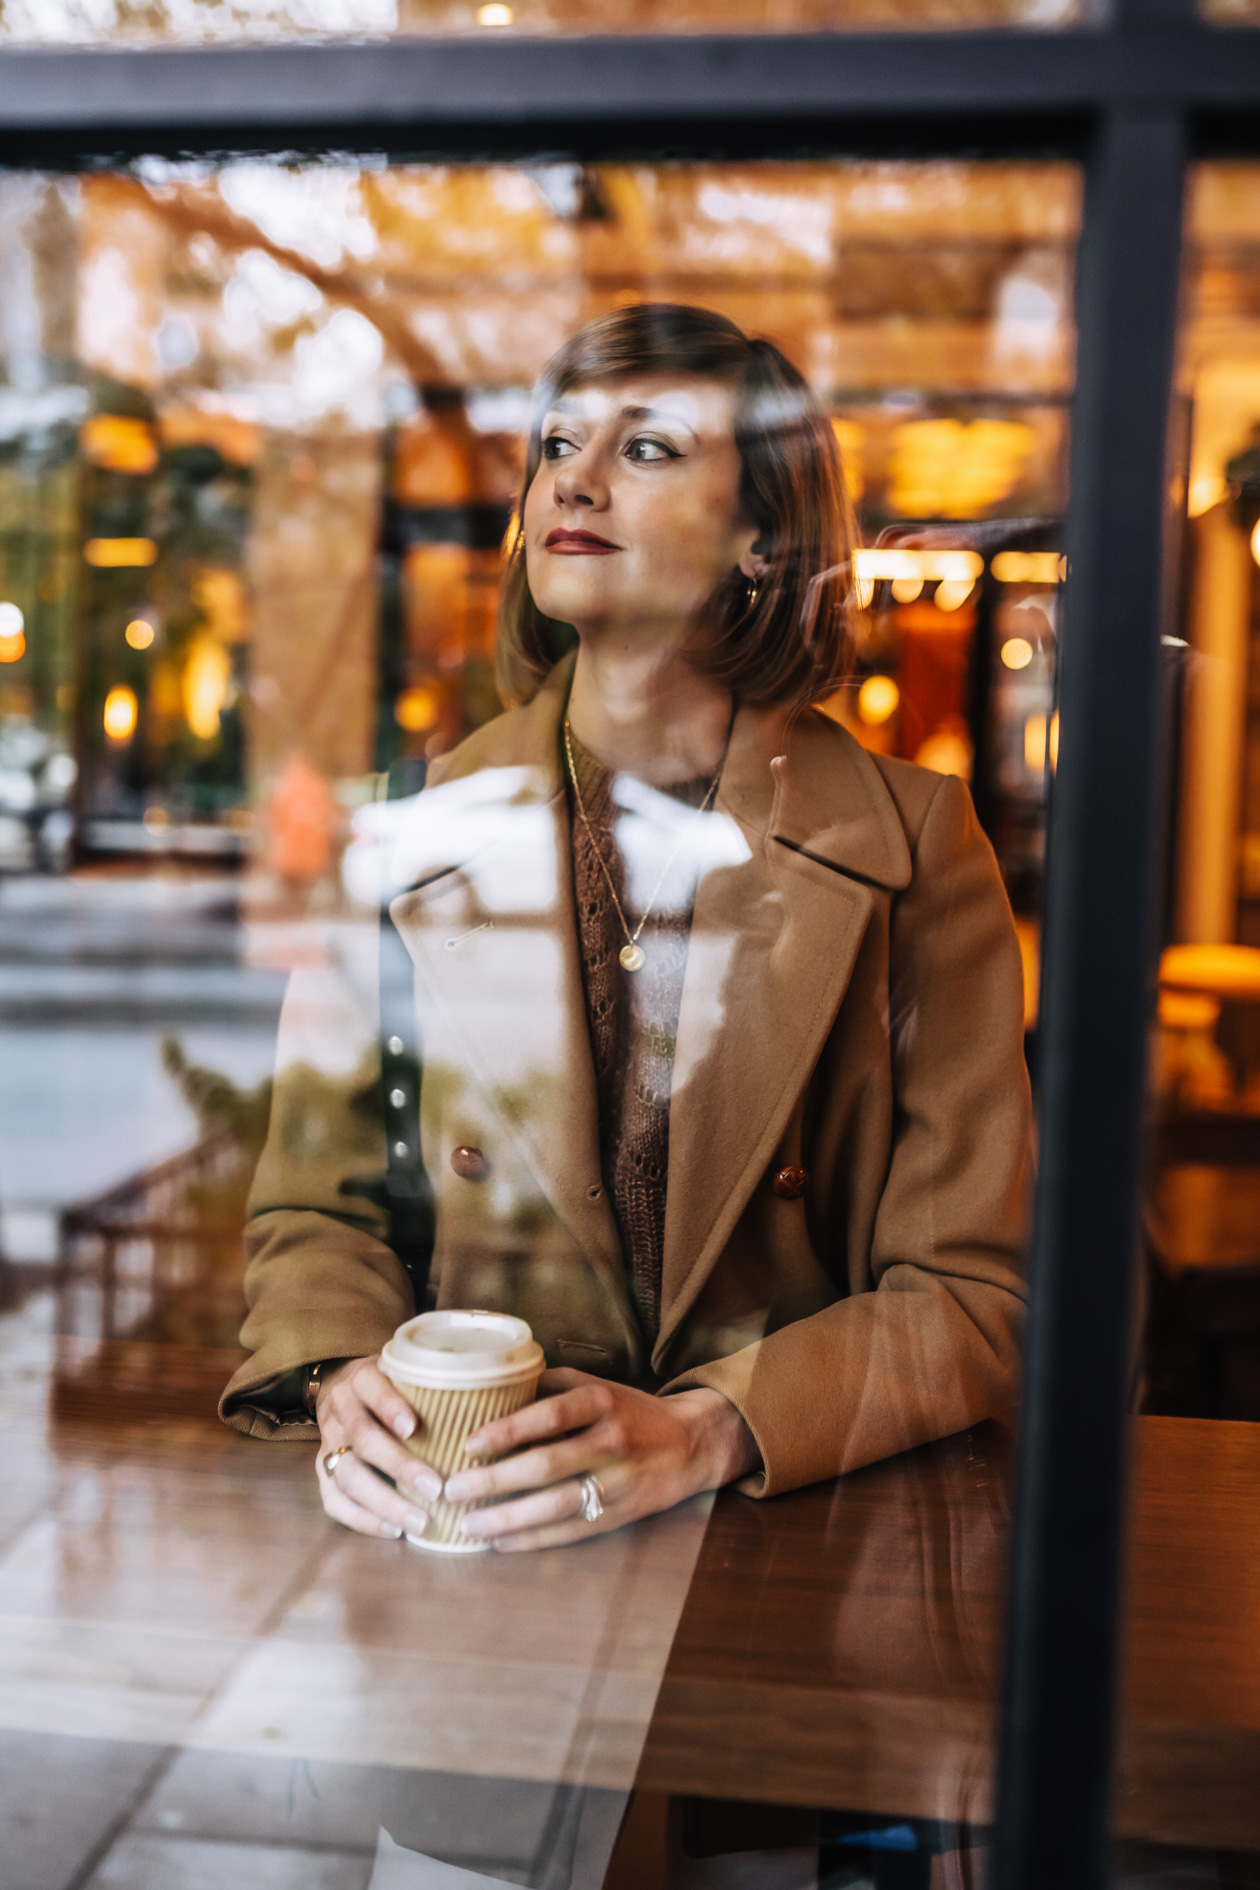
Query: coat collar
776, 929
803, 780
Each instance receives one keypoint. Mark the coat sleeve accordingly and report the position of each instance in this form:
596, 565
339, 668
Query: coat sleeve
932, 1346
321, 1280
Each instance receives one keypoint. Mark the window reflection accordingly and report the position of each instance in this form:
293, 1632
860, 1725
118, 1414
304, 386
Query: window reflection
265, 448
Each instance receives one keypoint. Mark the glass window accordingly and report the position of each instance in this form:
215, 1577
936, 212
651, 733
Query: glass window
684, 1029
1198, 1390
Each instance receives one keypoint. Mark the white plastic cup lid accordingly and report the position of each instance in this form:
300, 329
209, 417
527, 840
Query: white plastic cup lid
461, 1350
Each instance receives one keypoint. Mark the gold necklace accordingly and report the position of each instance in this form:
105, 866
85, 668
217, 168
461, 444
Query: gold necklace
631, 956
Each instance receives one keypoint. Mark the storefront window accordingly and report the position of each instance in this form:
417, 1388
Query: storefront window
264, 428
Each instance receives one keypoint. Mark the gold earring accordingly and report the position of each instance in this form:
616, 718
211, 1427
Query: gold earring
754, 592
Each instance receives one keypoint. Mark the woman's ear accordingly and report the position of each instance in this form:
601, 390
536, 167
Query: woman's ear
755, 562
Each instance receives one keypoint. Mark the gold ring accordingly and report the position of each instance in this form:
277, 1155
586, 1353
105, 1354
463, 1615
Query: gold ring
592, 1498
331, 1458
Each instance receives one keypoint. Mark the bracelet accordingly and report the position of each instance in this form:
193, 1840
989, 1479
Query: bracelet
314, 1379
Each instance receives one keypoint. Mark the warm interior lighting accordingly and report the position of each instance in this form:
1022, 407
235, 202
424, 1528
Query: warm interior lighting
205, 686
139, 633
1035, 743
851, 439
121, 710
1017, 652
495, 15
1220, 970
118, 554
119, 444
952, 593
1029, 567
1188, 1010
863, 592
1206, 490
12, 633
906, 589
417, 709
956, 468
877, 699
879, 563
1255, 541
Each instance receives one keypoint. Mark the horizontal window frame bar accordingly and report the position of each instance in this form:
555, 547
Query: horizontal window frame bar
926, 86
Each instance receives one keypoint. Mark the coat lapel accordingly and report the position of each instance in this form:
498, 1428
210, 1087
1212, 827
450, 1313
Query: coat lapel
773, 944
805, 838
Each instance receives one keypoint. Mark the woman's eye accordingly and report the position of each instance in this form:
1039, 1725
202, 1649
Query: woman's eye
557, 447
645, 451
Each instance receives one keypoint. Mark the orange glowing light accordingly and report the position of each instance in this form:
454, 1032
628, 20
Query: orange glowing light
139, 633
121, 712
877, 700
417, 709
11, 648
1017, 652
120, 554
119, 443
1035, 743
1029, 567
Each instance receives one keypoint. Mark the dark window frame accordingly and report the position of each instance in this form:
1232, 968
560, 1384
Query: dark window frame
1133, 97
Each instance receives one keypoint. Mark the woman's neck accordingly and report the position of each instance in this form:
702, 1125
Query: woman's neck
646, 711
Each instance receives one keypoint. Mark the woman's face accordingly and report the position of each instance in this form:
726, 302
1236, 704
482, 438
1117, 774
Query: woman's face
633, 515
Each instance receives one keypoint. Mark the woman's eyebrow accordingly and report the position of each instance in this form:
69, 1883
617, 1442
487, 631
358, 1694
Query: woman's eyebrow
658, 413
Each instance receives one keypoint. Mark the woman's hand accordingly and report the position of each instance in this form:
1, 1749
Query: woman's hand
648, 1454
358, 1408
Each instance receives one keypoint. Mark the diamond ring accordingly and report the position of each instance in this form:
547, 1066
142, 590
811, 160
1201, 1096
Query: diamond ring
592, 1498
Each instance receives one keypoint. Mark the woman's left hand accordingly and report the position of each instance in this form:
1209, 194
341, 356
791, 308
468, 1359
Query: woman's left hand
647, 1453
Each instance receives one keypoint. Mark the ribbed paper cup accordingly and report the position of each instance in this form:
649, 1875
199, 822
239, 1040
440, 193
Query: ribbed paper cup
458, 1370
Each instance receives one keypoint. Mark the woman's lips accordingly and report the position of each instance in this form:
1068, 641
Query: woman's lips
578, 543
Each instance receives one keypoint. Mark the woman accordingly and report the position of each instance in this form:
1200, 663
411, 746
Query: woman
721, 1016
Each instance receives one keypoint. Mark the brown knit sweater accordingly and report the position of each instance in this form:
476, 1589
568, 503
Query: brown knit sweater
632, 1015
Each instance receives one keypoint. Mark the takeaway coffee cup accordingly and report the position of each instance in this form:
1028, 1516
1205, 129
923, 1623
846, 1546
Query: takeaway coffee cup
458, 1370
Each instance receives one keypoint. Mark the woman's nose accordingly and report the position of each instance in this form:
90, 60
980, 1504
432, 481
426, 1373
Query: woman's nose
578, 483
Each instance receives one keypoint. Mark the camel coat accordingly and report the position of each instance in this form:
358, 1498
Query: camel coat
852, 1006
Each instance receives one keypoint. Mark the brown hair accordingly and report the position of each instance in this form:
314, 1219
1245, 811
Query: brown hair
790, 644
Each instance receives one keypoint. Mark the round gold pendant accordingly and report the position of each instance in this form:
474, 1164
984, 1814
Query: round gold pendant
631, 957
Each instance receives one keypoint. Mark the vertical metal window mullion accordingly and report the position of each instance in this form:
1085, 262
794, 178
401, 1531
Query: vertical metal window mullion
1068, 1537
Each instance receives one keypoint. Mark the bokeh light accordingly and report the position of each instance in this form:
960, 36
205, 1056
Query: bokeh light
417, 709
121, 712
877, 700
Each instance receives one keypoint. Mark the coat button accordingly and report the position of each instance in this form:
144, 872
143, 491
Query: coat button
790, 1183
469, 1164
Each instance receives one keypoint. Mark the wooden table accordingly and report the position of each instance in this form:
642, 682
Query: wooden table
841, 1647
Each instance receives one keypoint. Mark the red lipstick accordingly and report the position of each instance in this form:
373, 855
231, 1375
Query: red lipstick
574, 543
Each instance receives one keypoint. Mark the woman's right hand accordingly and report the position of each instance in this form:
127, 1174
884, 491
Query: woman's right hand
360, 1414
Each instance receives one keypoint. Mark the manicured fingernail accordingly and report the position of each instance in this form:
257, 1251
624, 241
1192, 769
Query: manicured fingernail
404, 1424
472, 1525
475, 1443
455, 1490
389, 1529
415, 1522
427, 1483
